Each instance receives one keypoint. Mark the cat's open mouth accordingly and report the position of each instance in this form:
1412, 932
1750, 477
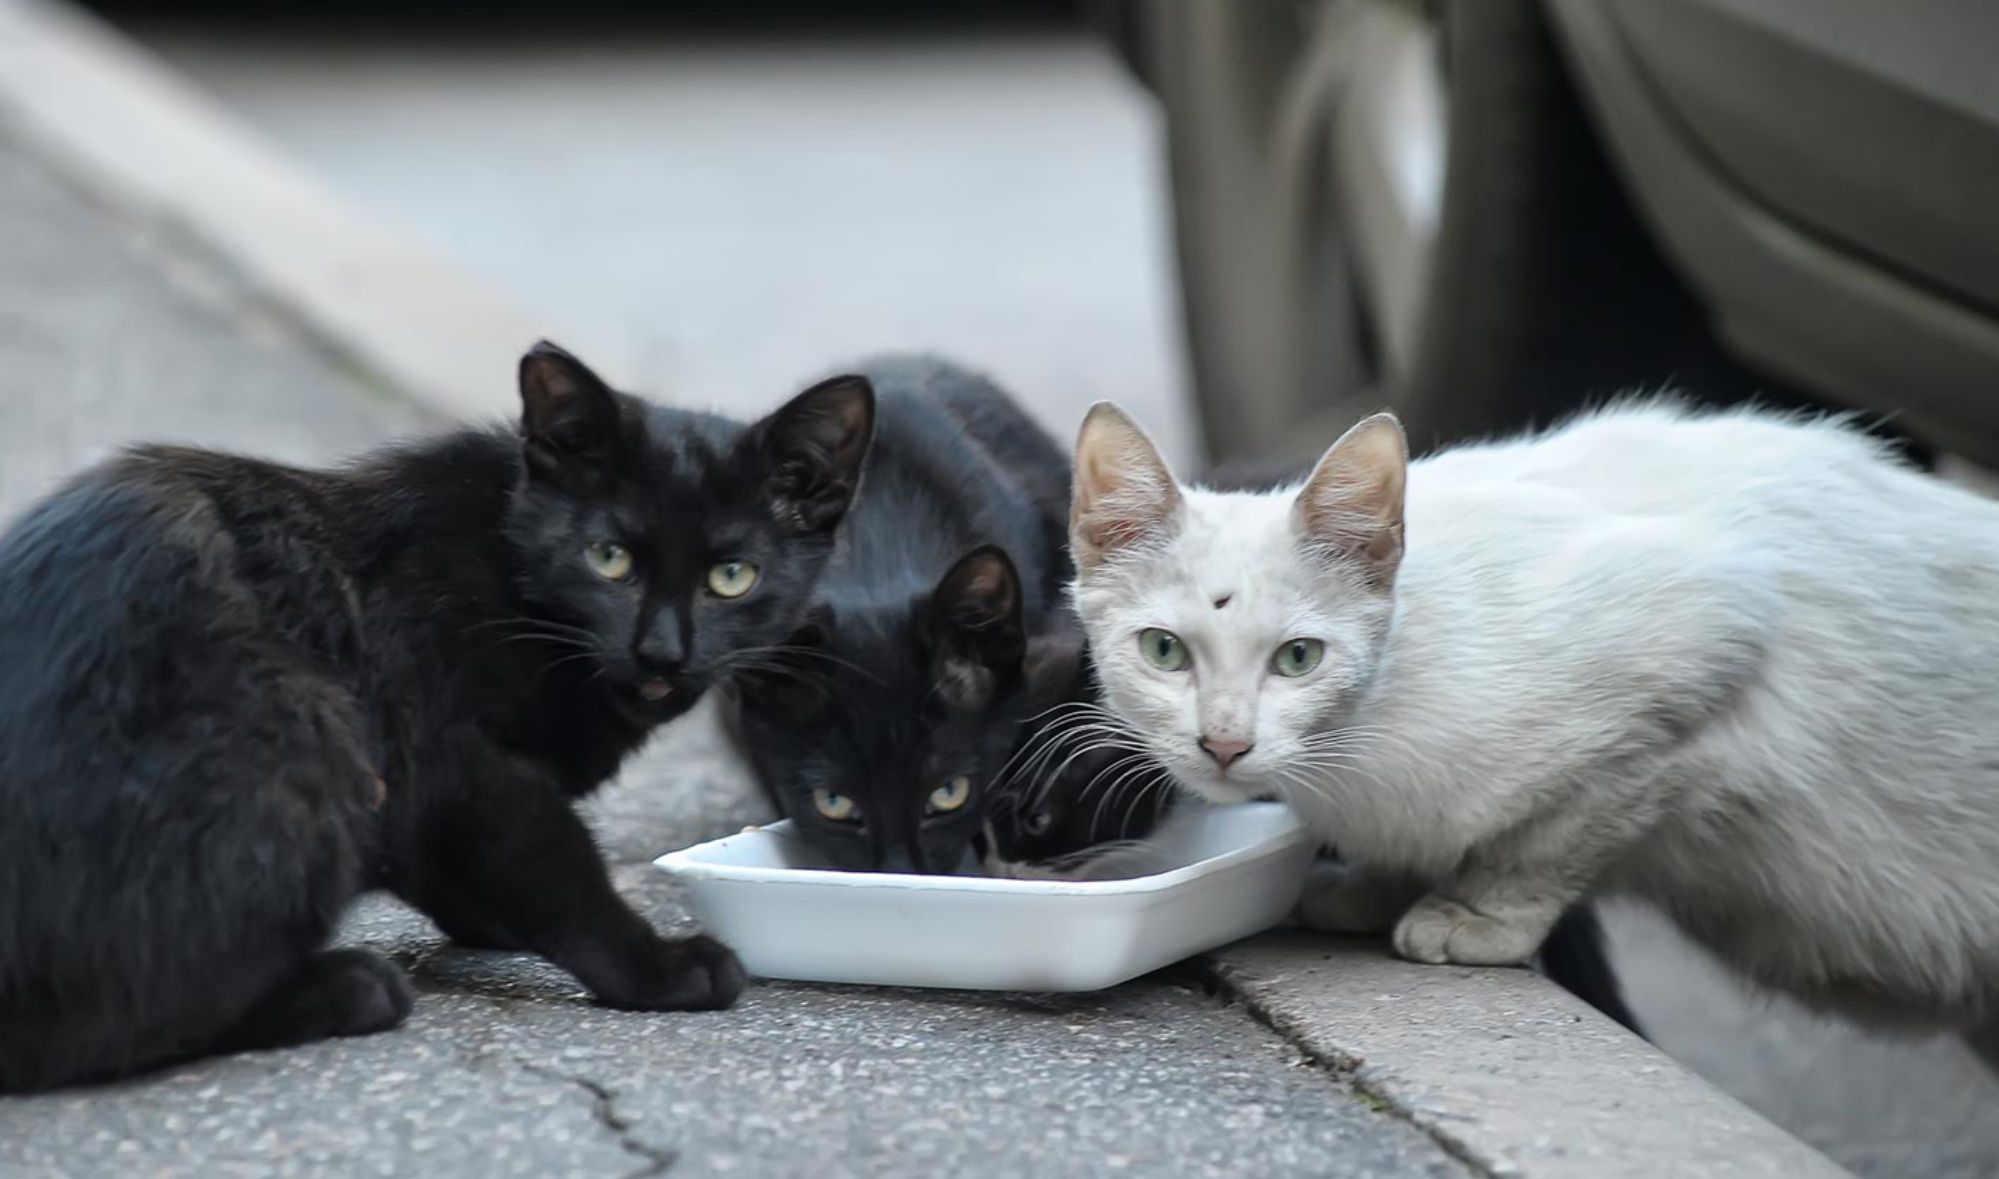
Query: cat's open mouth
653, 699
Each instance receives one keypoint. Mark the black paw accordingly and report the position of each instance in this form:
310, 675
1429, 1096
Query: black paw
365, 993
332, 993
695, 974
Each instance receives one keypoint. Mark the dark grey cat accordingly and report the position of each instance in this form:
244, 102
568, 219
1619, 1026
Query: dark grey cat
880, 724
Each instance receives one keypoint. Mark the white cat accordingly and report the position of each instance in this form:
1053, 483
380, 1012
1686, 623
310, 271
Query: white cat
1741, 665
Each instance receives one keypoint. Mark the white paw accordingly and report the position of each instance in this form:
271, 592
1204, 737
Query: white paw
1440, 931
1341, 899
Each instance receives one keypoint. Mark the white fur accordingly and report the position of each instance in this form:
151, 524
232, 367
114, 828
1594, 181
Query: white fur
1742, 665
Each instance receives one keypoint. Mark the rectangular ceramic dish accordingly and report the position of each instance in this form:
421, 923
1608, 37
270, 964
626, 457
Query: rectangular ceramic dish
1236, 870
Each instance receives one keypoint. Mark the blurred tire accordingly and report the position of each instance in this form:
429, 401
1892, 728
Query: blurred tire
1529, 289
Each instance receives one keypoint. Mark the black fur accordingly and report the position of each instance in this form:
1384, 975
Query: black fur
233, 695
1575, 957
910, 673
1068, 794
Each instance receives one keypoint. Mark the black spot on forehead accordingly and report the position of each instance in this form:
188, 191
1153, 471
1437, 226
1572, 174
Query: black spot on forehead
1224, 600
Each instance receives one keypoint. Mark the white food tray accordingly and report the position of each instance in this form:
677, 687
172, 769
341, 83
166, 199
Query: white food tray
1236, 870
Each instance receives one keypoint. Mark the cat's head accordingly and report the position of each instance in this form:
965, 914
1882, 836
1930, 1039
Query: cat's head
667, 542
878, 729
1232, 630
1074, 781
1077, 801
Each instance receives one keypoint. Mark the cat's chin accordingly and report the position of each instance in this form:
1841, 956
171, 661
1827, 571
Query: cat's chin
1216, 790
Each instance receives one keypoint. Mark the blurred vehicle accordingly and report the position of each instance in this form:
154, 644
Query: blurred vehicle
1486, 213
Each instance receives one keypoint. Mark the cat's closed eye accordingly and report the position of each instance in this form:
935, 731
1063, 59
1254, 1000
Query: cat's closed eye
835, 806
951, 796
1297, 657
1163, 649
732, 579
609, 560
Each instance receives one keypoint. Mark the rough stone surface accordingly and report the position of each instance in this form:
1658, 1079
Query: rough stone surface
1518, 1076
505, 1069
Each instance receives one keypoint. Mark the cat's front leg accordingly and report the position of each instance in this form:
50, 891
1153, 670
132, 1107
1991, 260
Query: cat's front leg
512, 848
464, 923
1510, 890
1499, 928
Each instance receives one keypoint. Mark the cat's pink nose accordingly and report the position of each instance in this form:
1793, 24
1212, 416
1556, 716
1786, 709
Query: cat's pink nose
1224, 750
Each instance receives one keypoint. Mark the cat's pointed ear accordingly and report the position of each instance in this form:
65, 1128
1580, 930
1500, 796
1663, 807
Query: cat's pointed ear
1124, 494
811, 452
1350, 509
569, 417
974, 623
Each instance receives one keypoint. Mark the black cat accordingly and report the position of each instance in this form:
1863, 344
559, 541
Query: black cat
1072, 796
880, 724
235, 694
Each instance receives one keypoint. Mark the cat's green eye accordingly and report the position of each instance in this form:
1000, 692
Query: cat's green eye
951, 796
837, 807
1297, 657
732, 579
1162, 649
609, 560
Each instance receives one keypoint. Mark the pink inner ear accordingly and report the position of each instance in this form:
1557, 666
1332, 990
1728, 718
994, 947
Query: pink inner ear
1383, 545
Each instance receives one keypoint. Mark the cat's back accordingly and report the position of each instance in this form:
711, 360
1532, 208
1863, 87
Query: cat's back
1660, 459
955, 463
128, 537
1649, 561
130, 590
1659, 559
931, 406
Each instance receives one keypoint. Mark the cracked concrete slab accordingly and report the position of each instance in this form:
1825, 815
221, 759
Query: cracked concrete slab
506, 1069
1516, 1076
